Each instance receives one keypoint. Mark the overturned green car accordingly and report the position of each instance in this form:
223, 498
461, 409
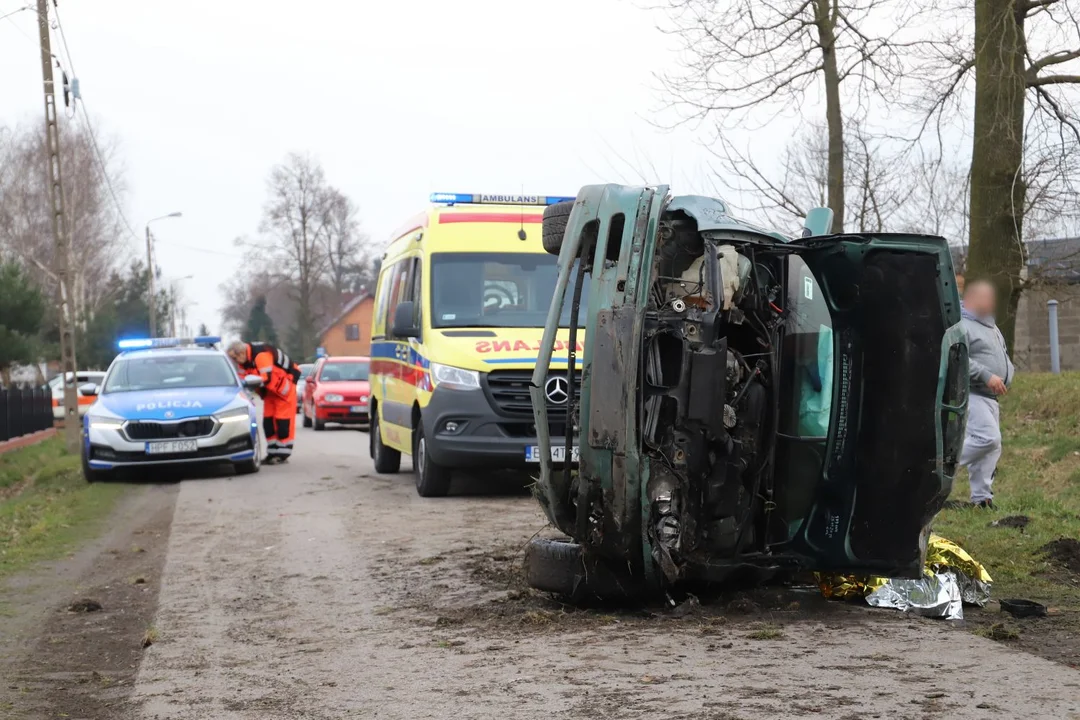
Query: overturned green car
747, 404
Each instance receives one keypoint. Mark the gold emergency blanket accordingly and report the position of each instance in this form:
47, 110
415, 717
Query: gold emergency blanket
951, 578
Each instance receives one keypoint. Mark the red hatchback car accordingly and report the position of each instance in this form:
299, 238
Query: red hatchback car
337, 391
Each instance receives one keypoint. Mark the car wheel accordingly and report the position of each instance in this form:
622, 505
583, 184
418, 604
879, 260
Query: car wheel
559, 566
92, 475
556, 218
320, 425
432, 480
306, 420
387, 460
248, 467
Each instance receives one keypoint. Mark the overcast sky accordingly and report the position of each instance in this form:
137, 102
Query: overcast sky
396, 99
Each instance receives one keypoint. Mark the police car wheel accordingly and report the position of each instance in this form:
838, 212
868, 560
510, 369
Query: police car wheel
556, 218
431, 480
91, 475
387, 460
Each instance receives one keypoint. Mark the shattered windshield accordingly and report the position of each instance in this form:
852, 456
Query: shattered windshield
498, 290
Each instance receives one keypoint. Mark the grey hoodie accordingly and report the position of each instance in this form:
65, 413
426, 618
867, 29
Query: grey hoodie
987, 354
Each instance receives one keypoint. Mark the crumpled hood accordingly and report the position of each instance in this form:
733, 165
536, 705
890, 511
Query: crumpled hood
168, 404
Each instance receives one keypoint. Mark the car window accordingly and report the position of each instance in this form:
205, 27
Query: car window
167, 372
306, 369
344, 371
809, 352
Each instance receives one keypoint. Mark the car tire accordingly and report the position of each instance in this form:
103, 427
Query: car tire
559, 566
90, 475
306, 421
387, 460
556, 218
432, 480
319, 425
248, 467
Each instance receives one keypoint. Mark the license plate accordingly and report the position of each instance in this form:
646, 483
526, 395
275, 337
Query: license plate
558, 454
171, 446
358, 409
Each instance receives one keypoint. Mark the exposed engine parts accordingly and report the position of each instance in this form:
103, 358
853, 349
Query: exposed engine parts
712, 330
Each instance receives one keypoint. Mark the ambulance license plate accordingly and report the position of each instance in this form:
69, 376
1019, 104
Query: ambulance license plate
558, 454
168, 447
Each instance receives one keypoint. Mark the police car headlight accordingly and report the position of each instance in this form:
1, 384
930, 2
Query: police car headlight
333, 397
455, 378
231, 416
104, 423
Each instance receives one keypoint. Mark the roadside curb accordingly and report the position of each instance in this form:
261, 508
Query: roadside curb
25, 440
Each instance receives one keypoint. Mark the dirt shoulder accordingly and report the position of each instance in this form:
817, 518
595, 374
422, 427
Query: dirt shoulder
74, 628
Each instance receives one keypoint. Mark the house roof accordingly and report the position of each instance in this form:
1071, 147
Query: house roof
1051, 258
347, 308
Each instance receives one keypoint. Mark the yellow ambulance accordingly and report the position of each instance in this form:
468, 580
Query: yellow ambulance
464, 290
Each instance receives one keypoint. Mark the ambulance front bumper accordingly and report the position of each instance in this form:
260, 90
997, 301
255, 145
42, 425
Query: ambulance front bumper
463, 430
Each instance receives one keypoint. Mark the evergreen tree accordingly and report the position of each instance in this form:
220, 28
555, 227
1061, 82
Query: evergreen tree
259, 326
22, 312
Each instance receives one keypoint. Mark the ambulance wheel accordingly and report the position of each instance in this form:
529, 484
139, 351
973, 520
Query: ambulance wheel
387, 460
431, 480
556, 218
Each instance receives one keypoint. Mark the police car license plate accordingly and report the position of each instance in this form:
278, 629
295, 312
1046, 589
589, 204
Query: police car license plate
358, 409
168, 447
558, 453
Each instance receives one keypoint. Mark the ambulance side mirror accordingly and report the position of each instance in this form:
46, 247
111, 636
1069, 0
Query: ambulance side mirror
404, 315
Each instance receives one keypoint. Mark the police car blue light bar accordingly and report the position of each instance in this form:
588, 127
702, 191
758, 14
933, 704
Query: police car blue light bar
486, 199
146, 343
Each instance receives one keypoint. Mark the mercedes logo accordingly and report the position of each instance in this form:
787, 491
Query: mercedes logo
557, 390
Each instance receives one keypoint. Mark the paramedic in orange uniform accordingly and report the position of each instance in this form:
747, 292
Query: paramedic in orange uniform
279, 375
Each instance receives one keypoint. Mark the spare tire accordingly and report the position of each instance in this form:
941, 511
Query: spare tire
560, 566
556, 218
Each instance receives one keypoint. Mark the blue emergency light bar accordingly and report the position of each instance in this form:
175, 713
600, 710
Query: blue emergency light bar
486, 199
147, 343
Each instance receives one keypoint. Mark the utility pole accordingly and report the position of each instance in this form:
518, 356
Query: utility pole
152, 300
60, 238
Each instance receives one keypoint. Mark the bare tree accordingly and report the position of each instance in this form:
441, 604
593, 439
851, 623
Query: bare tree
744, 55
347, 251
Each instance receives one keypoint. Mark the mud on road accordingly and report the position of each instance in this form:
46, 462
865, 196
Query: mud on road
321, 590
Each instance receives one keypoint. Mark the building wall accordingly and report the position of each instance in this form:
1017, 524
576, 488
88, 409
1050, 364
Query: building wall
1032, 351
334, 340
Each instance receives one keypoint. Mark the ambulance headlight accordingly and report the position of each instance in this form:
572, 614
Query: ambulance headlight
455, 378
230, 416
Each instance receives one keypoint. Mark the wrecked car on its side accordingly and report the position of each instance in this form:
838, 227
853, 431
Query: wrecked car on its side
747, 404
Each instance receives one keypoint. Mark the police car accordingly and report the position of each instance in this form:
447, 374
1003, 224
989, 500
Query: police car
170, 401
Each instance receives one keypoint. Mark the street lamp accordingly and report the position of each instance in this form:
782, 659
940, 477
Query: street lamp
150, 263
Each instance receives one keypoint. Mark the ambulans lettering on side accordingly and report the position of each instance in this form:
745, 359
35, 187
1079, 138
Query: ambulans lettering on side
462, 297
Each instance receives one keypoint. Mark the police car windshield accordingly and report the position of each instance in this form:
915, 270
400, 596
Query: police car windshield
167, 372
497, 290
344, 371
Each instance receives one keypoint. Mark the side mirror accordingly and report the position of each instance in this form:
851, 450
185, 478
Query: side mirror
252, 381
403, 326
88, 389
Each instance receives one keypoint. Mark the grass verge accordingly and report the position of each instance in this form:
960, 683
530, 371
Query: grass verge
46, 508
1038, 477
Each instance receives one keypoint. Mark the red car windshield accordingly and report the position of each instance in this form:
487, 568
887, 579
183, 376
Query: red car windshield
344, 372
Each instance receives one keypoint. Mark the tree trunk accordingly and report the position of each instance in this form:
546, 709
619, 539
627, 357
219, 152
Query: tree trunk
997, 185
826, 25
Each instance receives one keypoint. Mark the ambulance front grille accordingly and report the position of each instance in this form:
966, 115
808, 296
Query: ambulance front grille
509, 392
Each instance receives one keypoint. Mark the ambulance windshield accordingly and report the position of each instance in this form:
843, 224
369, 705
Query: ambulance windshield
168, 372
496, 290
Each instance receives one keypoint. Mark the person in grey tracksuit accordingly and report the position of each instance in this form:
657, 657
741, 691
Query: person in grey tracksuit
991, 374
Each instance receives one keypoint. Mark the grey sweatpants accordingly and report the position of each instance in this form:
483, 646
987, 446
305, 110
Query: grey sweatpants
982, 445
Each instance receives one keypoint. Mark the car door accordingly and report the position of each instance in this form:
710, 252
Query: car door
310, 385
884, 332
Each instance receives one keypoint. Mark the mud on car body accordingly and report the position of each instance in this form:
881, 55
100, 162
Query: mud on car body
749, 403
